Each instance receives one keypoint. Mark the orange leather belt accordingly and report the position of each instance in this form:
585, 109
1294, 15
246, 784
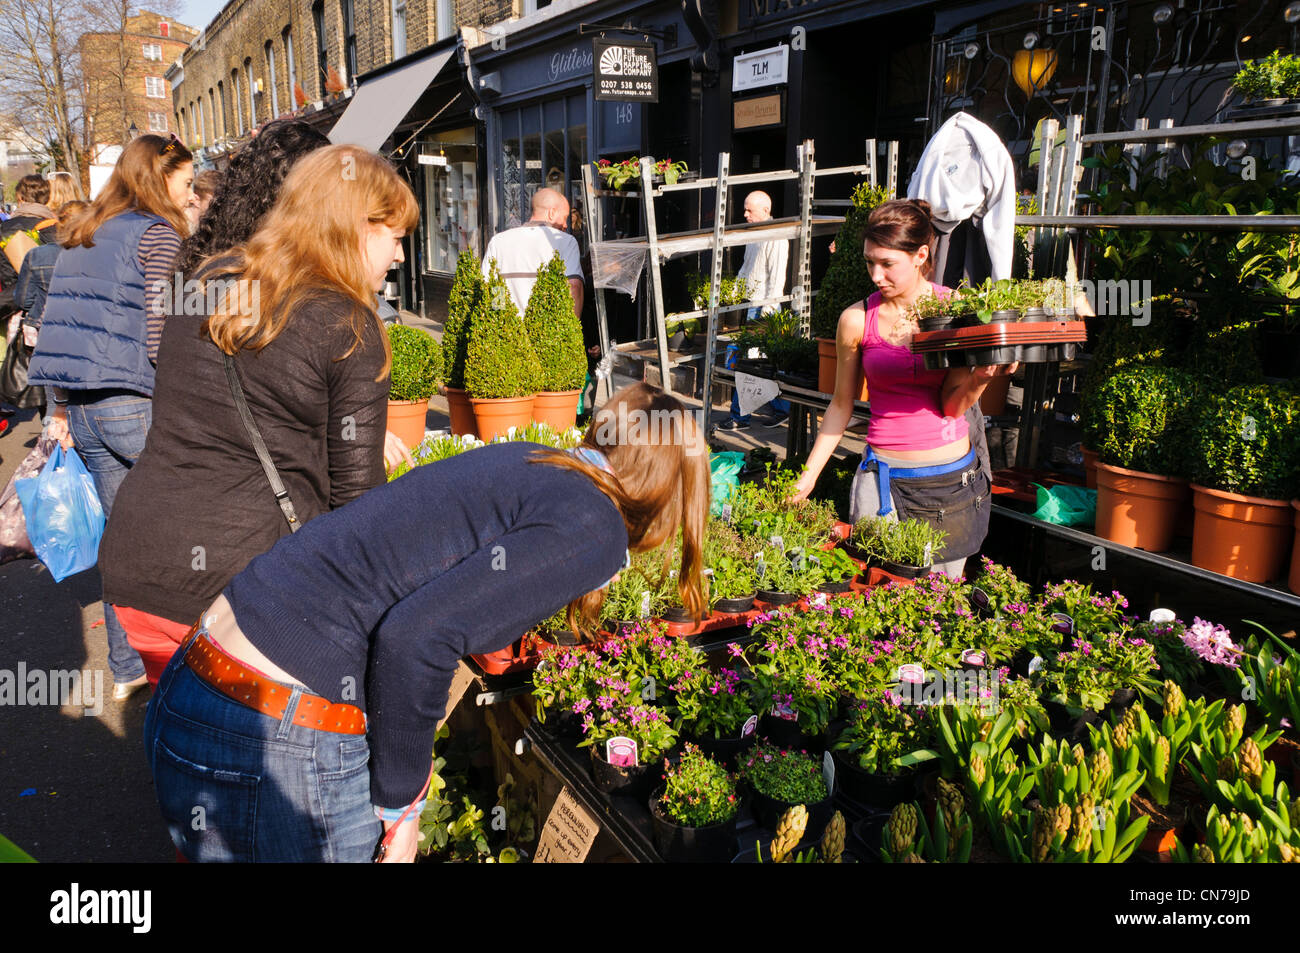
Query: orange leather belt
267, 696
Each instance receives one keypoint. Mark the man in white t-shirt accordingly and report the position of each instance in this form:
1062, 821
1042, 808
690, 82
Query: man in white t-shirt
521, 251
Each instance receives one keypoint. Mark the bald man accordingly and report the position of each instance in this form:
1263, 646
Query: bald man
764, 273
520, 252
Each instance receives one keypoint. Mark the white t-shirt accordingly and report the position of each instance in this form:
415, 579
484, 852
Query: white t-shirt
521, 251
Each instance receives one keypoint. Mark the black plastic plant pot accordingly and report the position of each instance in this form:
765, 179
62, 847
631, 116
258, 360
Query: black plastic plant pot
936, 360
935, 322
836, 587
879, 791
787, 734
868, 832
564, 725
1005, 317
677, 340
631, 782
626, 626
1034, 353
900, 569
681, 614
776, 598
726, 750
559, 637
678, 844
1067, 351
1068, 723
758, 847
732, 606
768, 811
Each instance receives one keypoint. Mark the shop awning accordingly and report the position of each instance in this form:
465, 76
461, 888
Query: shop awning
381, 103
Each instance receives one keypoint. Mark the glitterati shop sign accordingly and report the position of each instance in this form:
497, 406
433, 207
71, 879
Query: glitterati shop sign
569, 63
624, 72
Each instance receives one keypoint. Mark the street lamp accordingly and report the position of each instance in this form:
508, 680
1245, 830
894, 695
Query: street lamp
132, 131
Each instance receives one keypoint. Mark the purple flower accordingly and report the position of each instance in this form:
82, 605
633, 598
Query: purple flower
734, 650
581, 705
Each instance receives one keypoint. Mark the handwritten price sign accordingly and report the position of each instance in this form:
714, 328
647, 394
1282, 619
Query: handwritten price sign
753, 392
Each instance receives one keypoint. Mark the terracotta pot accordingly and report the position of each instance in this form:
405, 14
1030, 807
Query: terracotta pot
826, 368
406, 419
556, 408
993, 402
1139, 509
1245, 537
1089, 468
1293, 583
496, 415
460, 412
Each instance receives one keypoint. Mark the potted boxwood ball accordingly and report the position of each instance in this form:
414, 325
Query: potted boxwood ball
463, 303
417, 367
501, 368
556, 337
780, 778
695, 811
1140, 426
1246, 470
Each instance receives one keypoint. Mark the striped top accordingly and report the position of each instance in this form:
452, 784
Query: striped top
157, 250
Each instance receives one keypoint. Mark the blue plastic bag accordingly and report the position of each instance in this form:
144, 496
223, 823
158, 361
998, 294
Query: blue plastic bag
64, 518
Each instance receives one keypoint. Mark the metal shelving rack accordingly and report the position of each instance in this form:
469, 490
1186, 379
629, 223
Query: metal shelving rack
661, 248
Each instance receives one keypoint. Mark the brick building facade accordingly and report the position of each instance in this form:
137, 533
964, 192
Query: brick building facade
124, 77
271, 46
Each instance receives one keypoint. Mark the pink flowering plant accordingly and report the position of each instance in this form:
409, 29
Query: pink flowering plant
881, 730
1092, 613
713, 703
649, 726
784, 774
791, 677
1001, 585
564, 681
698, 791
1085, 676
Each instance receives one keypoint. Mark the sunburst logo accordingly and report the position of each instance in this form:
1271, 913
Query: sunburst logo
611, 61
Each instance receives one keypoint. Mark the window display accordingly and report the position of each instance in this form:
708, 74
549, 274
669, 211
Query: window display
451, 222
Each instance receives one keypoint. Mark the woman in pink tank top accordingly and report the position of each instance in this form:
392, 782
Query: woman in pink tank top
919, 462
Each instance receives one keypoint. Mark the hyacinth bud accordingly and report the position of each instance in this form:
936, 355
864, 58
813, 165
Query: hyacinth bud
1251, 762
978, 771
1119, 736
1203, 855
1130, 719
1083, 814
1061, 817
1227, 769
912, 858
902, 829
1175, 700
832, 846
1295, 812
1288, 855
1247, 825
1044, 831
1049, 774
1236, 722
1223, 826
789, 831
1100, 768
1163, 756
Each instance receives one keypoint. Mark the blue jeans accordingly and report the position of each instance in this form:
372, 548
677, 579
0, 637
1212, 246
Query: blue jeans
238, 786
109, 434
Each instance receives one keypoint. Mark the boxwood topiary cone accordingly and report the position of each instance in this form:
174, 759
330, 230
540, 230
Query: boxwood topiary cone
417, 364
846, 279
463, 302
554, 330
500, 361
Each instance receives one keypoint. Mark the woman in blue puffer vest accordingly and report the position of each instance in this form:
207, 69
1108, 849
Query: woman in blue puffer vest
103, 320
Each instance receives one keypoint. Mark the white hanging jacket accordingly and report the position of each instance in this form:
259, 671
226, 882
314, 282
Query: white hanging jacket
966, 172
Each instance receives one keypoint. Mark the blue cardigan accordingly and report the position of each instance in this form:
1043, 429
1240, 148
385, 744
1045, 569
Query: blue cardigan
374, 604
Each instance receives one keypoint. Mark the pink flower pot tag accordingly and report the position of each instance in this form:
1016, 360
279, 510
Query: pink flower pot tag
913, 672
749, 727
621, 752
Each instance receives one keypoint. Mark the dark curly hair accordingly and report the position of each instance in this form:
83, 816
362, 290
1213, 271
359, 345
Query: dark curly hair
248, 190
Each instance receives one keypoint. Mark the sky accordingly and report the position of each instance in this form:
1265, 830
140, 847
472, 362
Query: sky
199, 13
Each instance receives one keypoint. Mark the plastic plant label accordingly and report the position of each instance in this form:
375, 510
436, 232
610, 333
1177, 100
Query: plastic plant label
645, 605
828, 772
1062, 623
1035, 664
726, 512
778, 542
927, 557
974, 657
980, 598
818, 599
1162, 616
913, 672
621, 752
759, 565
567, 834
784, 710
749, 727
706, 571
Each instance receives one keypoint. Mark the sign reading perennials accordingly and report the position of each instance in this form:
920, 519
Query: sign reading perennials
626, 72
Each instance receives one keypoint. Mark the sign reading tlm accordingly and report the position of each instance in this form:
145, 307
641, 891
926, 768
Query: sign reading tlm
625, 71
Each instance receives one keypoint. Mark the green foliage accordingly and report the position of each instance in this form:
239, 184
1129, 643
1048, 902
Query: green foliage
647, 725
417, 364
698, 791
554, 330
847, 279
1143, 418
1274, 77
906, 542
1273, 680
793, 777
731, 289
907, 838
1245, 441
463, 303
777, 336
879, 733
500, 361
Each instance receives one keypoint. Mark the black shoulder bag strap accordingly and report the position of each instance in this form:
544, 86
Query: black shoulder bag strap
272, 475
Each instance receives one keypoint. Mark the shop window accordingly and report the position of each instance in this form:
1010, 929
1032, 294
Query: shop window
270, 78
322, 49
399, 29
542, 146
451, 203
